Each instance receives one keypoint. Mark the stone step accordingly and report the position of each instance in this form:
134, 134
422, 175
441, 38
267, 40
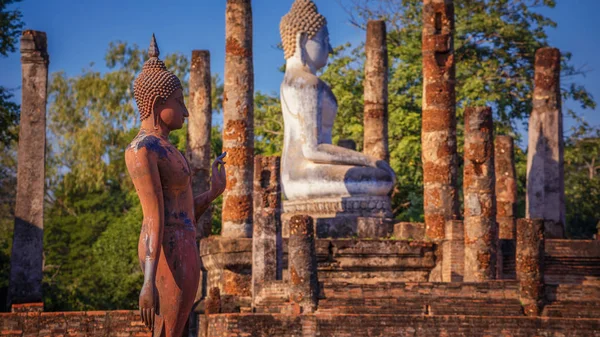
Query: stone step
570, 309
476, 307
573, 292
444, 307
495, 290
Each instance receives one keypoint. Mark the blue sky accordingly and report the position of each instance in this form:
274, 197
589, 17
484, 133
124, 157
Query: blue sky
79, 33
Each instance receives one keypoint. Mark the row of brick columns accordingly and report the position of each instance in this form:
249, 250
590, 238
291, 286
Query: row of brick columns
480, 232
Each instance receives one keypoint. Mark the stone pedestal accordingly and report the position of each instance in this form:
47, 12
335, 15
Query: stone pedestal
228, 263
362, 216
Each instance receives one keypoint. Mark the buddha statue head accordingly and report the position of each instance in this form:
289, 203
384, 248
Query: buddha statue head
158, 92
305, 36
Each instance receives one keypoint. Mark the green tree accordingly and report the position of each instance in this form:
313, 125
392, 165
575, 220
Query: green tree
582, 181
11, 24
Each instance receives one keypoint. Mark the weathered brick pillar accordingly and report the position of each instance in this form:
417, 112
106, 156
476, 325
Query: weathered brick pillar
545, 160
481, 232
266, 237
506, 202
199, 130
453, 263
438, 131
238, 120
26, 259
376, 92
506, 187
530, 264
303, 264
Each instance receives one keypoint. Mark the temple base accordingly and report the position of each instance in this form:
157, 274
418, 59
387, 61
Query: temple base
343, 217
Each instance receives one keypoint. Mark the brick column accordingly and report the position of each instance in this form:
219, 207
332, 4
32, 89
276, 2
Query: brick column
545, 156
266, 237
506, 186
453, 262
199, 130
238, 120
438, 133
506, 202
481, 231
26, 259
303, 264
376, 92
530, 264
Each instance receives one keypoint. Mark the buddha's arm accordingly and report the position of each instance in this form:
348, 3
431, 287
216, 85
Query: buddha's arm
202, 203
217, 186
143, 169
309, 116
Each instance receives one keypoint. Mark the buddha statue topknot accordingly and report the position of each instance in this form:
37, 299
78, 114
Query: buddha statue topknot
345, 190
167, 249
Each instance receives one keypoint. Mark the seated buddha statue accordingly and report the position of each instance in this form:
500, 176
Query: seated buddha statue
312, 167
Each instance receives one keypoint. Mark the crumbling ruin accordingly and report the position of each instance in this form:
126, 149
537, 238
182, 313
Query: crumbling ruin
482, 274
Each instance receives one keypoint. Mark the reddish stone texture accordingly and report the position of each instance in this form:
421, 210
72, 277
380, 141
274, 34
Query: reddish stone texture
530, 264
506, 186
238, 118
91, 323
26, 259
199, 130
438, 131
266, 236
376, 92
393, 325
213, 302
481, 231
453, 264
303, 264
545, 156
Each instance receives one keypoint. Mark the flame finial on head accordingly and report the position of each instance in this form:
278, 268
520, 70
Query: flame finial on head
154, 82
304, 17
153, 50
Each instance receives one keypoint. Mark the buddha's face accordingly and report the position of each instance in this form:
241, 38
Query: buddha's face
173, 112
318, 49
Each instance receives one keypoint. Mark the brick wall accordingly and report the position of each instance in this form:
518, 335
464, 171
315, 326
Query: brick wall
326, 325
571, 261
90, 323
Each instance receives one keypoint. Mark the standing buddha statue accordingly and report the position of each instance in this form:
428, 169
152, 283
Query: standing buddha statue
167, 248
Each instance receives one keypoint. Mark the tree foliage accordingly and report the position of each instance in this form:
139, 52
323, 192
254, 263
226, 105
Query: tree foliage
11, 24
582, 180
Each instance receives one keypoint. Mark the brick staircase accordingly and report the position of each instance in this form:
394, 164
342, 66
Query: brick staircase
498, 298
573, 300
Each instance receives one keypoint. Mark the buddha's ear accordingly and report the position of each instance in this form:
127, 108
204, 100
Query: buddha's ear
156, 109
301, 40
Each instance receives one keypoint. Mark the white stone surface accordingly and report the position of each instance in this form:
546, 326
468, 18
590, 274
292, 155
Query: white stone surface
312, 167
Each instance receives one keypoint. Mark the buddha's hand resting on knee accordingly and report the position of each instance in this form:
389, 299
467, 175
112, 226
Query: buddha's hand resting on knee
383, 165
148, 304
